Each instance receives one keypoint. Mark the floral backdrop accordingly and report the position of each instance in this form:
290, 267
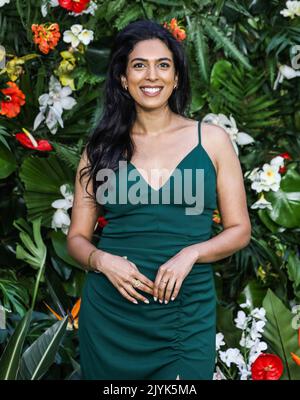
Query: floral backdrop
245, 63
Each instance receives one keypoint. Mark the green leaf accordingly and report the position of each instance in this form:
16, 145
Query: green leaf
7, 162
220, 38
201, 53
59, 242
293, 268
286, 200
9, 362
42, 178
37, 358
280, 334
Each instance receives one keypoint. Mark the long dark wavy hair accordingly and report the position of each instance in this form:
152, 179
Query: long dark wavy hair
110, 140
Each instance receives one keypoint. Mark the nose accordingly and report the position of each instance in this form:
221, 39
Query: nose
152, 73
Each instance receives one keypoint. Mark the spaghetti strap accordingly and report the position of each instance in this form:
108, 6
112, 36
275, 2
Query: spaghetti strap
199, 133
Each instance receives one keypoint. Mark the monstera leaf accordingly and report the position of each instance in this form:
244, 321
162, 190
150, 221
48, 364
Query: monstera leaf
42, 178
281, 335
286, 201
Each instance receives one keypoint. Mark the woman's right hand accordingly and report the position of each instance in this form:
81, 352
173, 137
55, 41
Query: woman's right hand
122, 273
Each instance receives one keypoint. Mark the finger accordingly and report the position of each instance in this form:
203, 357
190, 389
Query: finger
156, 283
176, 289
162, 287
135, 294
169, 289
145, 280
126, 295
142, 286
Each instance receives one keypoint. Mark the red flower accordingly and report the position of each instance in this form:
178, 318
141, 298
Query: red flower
76, 6
267, 367
102, 222
177, 31
287, 157
13, 100
42, 144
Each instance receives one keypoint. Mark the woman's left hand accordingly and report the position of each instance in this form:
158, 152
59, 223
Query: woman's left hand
171, 274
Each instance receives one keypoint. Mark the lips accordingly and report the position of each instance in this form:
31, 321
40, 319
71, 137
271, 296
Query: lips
151, 92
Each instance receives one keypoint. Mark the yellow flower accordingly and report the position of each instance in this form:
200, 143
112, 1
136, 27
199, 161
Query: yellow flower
14, 67
66, 66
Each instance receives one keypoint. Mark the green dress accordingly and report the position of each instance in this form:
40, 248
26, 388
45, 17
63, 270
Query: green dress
122, 340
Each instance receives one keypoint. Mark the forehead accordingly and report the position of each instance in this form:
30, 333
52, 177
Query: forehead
150, 49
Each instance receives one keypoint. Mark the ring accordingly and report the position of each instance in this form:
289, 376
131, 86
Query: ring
136, 283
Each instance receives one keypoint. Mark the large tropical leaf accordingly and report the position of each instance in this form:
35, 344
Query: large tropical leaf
42, 178
7, 162
280, 334
286, 200
9, 362
38, 357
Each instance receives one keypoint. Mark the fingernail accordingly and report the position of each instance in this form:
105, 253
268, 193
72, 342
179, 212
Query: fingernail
172, 298
146, 301
160, 300
166, 301
135, 301
155, 298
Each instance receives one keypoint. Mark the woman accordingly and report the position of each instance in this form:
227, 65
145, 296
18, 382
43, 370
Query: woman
148, 303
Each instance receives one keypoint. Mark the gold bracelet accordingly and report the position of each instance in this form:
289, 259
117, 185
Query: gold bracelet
89, 261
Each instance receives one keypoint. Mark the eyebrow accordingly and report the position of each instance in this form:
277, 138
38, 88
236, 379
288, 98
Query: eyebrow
145, 59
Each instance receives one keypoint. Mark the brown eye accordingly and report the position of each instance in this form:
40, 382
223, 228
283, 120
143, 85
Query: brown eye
138, 64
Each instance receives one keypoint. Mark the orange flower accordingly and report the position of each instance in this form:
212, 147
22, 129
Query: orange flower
216, 216
295, 358
177, 31
14, 98
46, 36
73, 316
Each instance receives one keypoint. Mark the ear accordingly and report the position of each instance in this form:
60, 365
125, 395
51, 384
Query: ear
123, 80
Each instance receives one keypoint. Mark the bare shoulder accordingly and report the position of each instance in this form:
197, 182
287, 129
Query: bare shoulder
217, 144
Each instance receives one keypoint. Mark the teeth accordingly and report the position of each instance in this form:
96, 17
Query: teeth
151, 90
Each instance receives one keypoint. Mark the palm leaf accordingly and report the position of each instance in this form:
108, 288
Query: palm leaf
42, 178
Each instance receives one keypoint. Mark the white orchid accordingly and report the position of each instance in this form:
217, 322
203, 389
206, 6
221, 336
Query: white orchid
292, 9
285, 72
3, 2
241, 320
61, 217
219, 340
265, 179
50, 3
57, 100
270, 177
229, 125
218, 375
232, 356
251, 322
78, 35
262, 203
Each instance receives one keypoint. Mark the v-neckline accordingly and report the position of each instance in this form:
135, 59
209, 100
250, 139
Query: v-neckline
177, 166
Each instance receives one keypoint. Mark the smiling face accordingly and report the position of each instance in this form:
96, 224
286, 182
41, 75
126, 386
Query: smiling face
150, 74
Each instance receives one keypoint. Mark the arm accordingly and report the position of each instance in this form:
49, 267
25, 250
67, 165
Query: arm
232, 204
85, 213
